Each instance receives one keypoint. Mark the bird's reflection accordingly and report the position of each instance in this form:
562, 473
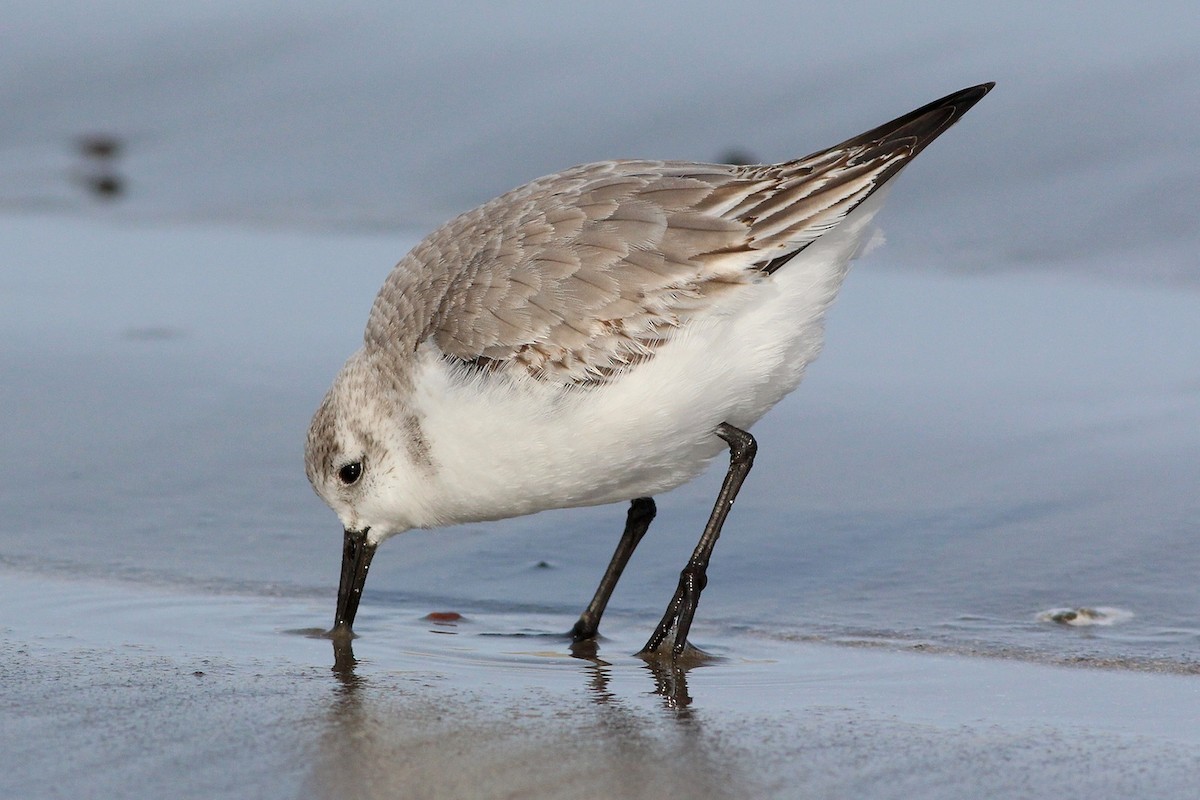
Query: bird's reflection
395, 733
670, 683
670, 676
344, 664
344, 769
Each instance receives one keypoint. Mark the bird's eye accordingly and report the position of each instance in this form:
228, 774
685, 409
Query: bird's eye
350, 473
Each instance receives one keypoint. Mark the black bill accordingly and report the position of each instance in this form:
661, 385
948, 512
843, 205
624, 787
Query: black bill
357, 553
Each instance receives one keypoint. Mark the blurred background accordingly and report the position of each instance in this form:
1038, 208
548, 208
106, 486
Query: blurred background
368, 116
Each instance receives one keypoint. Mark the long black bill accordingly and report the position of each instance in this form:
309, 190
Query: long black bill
357, 553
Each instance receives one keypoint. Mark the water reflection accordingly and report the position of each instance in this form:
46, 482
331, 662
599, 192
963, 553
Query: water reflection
412, 733
344, 664
670, 677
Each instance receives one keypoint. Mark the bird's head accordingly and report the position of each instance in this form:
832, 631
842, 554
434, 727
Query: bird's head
360, 462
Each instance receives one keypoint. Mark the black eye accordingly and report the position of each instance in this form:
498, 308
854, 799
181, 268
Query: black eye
350, 473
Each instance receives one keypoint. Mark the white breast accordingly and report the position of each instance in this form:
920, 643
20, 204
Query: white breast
503, 448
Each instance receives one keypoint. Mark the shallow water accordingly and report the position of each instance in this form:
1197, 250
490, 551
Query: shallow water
147, 691
912, 504
922, 489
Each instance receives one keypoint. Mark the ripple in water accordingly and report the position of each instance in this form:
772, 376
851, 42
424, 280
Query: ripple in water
1083, 616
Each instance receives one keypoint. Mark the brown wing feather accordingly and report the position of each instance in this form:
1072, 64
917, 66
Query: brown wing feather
577, 276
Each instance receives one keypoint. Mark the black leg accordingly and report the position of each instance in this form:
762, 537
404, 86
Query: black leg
678, 617
637, 521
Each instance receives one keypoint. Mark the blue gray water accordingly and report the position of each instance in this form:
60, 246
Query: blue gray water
967, 453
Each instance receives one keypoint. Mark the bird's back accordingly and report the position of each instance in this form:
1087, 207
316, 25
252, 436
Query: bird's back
584, 274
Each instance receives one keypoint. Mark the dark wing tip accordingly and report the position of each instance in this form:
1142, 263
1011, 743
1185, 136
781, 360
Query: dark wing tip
920, 127
898, 142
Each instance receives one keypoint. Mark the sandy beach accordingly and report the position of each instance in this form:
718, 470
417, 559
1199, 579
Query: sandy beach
147, 693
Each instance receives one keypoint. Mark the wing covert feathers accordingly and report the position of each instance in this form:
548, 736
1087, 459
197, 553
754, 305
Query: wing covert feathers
577, 276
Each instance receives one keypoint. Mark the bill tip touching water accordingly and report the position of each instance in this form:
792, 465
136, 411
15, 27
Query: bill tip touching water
596, 336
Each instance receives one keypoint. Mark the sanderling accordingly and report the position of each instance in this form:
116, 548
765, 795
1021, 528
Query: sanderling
594, 336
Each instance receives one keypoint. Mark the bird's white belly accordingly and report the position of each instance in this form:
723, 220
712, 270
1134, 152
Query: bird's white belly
501, 448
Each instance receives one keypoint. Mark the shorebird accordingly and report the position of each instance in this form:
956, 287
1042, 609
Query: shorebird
595, 336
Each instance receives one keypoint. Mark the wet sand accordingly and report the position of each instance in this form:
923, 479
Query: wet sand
117, 690
162, 558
